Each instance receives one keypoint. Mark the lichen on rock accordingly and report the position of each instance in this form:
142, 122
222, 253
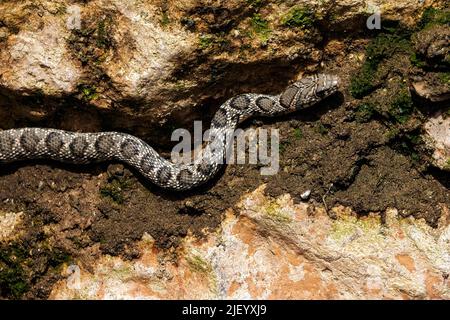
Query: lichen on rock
309, 256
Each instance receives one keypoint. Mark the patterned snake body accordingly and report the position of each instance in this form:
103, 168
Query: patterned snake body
82, 148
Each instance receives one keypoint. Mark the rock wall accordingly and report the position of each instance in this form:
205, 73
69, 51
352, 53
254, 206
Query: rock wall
359, 209
273, 249
146, 66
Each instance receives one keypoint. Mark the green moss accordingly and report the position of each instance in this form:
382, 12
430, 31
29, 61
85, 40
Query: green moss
103, 34
13, 279
115, 188
415, 156
88, 92
298, 133
444, 77
447, 164
433, 16
274, 212
363, 82
165, 20
205, 41
385, 46
408, 144
180, 86
382, 47
417, 61
365, 112
12, 282
123, 272
208, 40
58, 257
21, 265
414, 139
261, 27
197, 264
347, 226
299, 17
61, 9
392, 134
408, 150
402, 107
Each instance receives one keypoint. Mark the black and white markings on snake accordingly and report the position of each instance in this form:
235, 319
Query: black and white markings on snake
265, 103
29, 140
129, 148
163, 175
78, 146
147, 163
54, 142
288, 96
220, 118
185, 177
205, 168
105, 143
34, 143
240, 102
6, 144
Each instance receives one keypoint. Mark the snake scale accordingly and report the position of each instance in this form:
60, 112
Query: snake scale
83, 148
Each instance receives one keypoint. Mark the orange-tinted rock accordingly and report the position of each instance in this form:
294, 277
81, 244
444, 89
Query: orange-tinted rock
269, 251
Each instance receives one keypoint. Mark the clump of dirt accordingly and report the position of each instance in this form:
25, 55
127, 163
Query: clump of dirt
128, 208
345, 162
368, 153
388, 179
54, 217
360, 148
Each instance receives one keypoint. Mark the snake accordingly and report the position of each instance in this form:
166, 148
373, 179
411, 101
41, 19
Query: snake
32, 143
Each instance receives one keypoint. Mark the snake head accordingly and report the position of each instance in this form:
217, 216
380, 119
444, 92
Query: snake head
309, 91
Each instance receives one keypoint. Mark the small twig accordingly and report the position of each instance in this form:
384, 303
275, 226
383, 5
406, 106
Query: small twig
325, 203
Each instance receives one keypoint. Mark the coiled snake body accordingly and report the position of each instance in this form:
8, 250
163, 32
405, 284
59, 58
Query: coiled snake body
82, 148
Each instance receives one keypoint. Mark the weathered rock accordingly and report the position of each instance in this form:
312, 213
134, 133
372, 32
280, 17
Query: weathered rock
432, 49
434, 43
144, 63
136, 65
437, 137
145, 55
8, 225
432, 88
275, 249
35, 58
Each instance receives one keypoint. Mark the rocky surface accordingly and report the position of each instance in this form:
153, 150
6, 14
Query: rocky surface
357, 210
274, 249
433, 46
438, 139
433, 43
157, 61
8, 221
